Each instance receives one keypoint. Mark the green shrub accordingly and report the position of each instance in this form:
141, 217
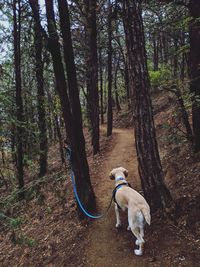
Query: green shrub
159, 77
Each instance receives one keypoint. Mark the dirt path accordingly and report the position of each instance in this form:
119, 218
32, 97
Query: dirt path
166, 245
108, 246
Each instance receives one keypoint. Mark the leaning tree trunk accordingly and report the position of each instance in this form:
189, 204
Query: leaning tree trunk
41, 94
71, 109
176, 90
19, 102
109, 108
92, 71
194, 69
150, 169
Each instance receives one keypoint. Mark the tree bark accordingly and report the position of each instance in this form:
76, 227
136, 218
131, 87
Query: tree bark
175, 57
165, 48
183, 61
127, 84
41, 95
149, 165
19, 101
109, 108
115, 85
92, 71
155, 53
183, 111
61, 144
184, 114
126, 71
101, 85
194, 69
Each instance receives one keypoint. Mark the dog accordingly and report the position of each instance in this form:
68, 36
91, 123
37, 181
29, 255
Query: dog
138, 209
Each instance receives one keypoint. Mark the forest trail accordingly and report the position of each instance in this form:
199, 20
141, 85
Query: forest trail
108, 246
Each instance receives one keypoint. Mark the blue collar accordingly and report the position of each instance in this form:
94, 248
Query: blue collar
120, 179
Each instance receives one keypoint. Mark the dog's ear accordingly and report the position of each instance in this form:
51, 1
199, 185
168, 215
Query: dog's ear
111, 176
125, 171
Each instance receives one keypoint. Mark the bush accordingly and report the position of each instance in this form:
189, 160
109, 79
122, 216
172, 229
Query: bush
159, 77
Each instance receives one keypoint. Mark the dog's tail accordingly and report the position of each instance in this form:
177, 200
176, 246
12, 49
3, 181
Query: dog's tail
146, 213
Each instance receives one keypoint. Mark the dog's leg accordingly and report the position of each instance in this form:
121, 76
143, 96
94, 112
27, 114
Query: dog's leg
118, 223
139, 242
142, 231
129, 222
141, 227
135, 228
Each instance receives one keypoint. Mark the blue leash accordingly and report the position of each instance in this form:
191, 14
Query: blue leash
69, 153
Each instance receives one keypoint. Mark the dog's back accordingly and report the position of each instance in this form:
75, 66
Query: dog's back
130, 199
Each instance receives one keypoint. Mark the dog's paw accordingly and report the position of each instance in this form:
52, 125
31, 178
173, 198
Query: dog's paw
137, 242
118, 225
128, 228
138, 252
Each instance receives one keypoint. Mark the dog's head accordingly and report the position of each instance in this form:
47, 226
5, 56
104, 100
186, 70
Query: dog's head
120, 170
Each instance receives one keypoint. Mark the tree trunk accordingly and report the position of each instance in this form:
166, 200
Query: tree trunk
71, 110
185, 118
105, 88
176, 90
160, 48
109, 108
175, 57
92, 71
183, 61
101, 85
115, 86
165, 48
150, 169
19, 102
2, 152
125, 74
40, 94
61, 144
127, 85
194, 69
184, 115
155, 53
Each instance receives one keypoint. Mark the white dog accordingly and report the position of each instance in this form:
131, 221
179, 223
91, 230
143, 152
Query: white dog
138, 210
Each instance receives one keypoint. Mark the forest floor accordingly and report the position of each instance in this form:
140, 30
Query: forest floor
52, 235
